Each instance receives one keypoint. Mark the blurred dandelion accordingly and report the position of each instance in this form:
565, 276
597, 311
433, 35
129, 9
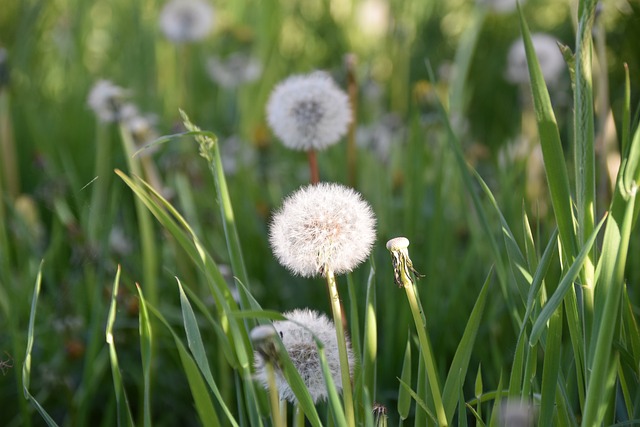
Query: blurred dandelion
501, 6
107, 101
514, 413
297, 336
549, 56
322, 227
309, 112
235, 70
186, 20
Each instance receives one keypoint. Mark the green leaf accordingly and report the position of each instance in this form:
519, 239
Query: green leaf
26, 368
460, 363
554, 160
567, 281
194, 340
122, 403
404, 398
146, 339
551, 368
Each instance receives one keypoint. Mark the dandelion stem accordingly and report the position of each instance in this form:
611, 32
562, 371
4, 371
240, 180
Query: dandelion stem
298, 420
313, 166
342, 347
273, 395
403, 267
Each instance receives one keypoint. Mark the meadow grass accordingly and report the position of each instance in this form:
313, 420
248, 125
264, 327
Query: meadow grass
134, 266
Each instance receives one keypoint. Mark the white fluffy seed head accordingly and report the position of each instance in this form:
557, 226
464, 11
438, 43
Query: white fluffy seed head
107, 100
298, 340
549, 56
186, 20
309, 112
320, 227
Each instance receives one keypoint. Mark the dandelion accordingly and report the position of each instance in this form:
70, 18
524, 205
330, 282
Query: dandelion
186, 20
322, 227
514, 413
235, 70
549, 56
501, 6
309, 112
297, 336
107, 101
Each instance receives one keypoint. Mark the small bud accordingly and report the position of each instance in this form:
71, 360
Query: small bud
402, 264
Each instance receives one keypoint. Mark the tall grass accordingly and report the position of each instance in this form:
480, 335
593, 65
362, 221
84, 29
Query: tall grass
143, 307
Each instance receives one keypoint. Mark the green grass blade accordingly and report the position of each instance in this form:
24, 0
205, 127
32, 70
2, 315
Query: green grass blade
26, 368
210, 150
146, 343
404, 398
554, 160
334, 400
194, 340
370, 338
567, 281
460, 363
584, 124
204, 405
551, 368
419, 401
122, 403
517, 367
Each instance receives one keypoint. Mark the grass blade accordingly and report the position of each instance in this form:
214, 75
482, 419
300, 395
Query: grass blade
564, 286
551, 368
146, 343
26, 368
122, 403
460, 363
404, 398
554, 161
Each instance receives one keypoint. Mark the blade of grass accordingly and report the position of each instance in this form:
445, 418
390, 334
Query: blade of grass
460, 363
122, 402
194, 340
404, 398
204, 405
146, 343
554, 161
567, 281
551, 368
26, 368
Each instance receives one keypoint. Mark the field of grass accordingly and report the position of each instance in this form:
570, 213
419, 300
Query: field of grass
136, 241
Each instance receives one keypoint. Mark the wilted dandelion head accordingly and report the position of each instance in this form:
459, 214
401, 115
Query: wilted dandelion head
548, 54
233, 71
501, 6
296, 335
186, 20
309, 112
107, 100
320, 227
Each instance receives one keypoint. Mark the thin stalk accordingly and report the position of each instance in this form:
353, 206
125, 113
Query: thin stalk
313, 166
403, 267
276, 418
342, 347
148, 245
298, 419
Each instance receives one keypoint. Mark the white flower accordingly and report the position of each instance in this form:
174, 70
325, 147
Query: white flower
501, 6
235, 70
186, 20
298, 341
549, 56
320, 227
309, 112
107, 100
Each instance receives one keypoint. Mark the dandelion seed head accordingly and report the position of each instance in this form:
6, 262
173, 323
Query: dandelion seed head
548, 54
322, 226
186, 20
107, 100
309, 112
235, 70
297, 337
